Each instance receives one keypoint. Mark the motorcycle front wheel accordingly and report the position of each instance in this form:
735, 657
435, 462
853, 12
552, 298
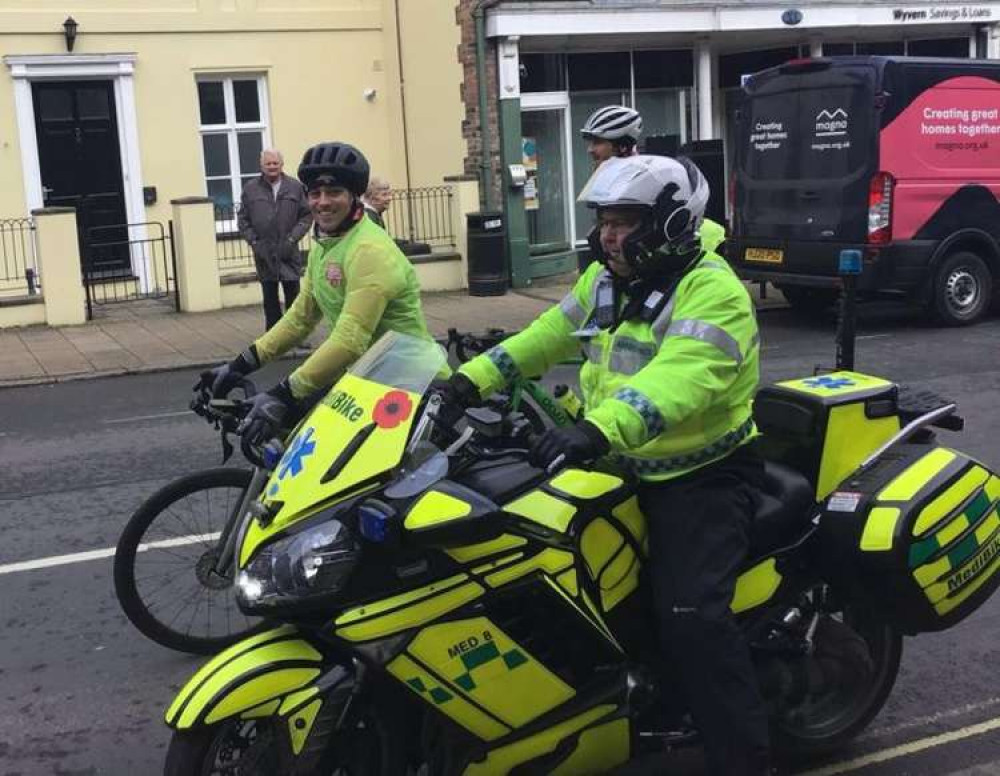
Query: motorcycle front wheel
372, 747
852, 672
164, 564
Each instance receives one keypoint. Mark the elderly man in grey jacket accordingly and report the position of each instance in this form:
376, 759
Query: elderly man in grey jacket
274, 216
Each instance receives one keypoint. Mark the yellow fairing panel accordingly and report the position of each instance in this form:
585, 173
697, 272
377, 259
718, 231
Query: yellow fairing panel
505, 759
472, 552
245, 676
418, 613
446, 700
435, 508
541, 508
908, 484
355, 411
479, 659
850, 438
549, 560
756, 586
598, 750
948, 502
584, 484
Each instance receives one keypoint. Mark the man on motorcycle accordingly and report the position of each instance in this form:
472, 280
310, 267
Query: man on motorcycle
356, 278
671, 345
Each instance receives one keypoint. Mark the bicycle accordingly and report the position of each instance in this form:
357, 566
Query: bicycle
526, 395
178, 526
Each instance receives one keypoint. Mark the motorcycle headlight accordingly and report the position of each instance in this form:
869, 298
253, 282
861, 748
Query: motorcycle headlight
301, 569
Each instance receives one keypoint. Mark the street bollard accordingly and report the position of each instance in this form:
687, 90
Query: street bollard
849, 269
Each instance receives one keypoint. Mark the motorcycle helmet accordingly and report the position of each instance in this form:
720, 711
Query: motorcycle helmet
335, 164
669, 194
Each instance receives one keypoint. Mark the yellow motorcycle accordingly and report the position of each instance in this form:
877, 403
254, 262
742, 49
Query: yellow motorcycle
449, 609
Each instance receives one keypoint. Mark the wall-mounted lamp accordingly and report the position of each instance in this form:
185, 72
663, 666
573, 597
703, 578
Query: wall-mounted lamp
69, 30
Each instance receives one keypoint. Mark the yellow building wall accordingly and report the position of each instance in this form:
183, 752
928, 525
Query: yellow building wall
319, 57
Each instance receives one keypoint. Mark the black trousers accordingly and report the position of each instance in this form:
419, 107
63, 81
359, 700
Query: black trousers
272, 307
698, 539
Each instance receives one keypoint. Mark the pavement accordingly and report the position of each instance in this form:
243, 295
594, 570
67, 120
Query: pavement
150, 336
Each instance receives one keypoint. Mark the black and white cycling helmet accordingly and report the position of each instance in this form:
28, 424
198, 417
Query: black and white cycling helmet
613, 122
335, 164
670, 194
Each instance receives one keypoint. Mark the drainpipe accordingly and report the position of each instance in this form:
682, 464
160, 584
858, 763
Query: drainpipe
486, 142
406, 134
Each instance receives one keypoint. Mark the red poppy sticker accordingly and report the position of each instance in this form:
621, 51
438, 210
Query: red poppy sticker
392, 409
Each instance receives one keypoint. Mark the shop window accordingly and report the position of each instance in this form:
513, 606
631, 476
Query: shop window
589, 72
938, 47
663, 69
732, 67
543, 72
234, 130
884, 48
838, 49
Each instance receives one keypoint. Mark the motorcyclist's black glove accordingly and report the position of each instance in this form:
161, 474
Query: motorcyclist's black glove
578, 443
458, 394
221, 380
267, 414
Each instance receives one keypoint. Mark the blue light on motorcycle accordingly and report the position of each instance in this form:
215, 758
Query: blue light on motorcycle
273, 451
374, 521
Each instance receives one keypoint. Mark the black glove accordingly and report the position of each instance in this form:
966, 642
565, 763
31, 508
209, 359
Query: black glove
457, 395
267, 413
578, 443
221, 380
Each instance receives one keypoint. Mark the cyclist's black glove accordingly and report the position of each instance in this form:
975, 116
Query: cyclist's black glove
578, 443
457, 395
221, 380
267, 414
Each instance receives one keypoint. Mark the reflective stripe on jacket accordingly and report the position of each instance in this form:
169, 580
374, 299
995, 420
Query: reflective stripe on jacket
670, 395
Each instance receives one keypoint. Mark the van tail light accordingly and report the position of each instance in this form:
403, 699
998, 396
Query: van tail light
880, 209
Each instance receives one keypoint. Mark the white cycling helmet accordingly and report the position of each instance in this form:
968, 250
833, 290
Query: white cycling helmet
613, 122
671, 194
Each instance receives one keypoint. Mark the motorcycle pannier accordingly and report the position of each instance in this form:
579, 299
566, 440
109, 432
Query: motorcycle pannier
918, 534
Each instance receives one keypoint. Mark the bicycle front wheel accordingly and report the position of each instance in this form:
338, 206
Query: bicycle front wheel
165, 559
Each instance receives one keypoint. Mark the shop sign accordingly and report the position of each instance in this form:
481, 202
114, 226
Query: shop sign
945, 14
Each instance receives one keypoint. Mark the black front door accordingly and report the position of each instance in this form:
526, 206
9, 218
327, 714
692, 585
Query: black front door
81, 167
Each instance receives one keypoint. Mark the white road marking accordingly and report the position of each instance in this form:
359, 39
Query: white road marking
904, 750
872, 336
149, 417
930, 719
107, 552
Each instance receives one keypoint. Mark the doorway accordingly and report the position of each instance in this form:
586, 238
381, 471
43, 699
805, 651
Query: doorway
80, 164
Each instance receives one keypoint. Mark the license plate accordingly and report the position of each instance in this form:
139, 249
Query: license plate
764, 255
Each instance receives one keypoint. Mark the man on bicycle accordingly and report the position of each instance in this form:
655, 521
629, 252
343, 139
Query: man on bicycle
612, 132
670, 341
356, 278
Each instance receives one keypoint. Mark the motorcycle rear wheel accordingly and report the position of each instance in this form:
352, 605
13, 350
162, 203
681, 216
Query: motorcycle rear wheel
825, 723
163, 561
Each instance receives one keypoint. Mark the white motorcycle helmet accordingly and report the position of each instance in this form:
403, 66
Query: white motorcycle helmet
671, 195
615, 123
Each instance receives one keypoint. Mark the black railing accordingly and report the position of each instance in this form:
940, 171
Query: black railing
128, 262
423, 215
18, 268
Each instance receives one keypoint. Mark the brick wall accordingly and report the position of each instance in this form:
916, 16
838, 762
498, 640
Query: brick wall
470, 97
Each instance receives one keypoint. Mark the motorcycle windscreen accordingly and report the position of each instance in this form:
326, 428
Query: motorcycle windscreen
359, 430
807, 152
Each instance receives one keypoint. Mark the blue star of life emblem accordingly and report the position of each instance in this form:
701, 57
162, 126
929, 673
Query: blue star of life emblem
302, 447
831, 383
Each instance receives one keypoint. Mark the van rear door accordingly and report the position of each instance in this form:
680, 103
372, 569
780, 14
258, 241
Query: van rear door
807, 149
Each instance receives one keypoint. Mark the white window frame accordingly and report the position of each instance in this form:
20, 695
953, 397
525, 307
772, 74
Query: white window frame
231, 129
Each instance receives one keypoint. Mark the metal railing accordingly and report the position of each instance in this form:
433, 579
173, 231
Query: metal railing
18, 263
422, 215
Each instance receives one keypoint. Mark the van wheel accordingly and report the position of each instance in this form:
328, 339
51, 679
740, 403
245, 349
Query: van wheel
810, 302
962, 290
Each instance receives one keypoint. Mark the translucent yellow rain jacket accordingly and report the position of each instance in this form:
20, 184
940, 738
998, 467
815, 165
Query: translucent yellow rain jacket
363, 286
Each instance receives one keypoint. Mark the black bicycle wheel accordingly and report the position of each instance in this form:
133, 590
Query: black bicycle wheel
164, 560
